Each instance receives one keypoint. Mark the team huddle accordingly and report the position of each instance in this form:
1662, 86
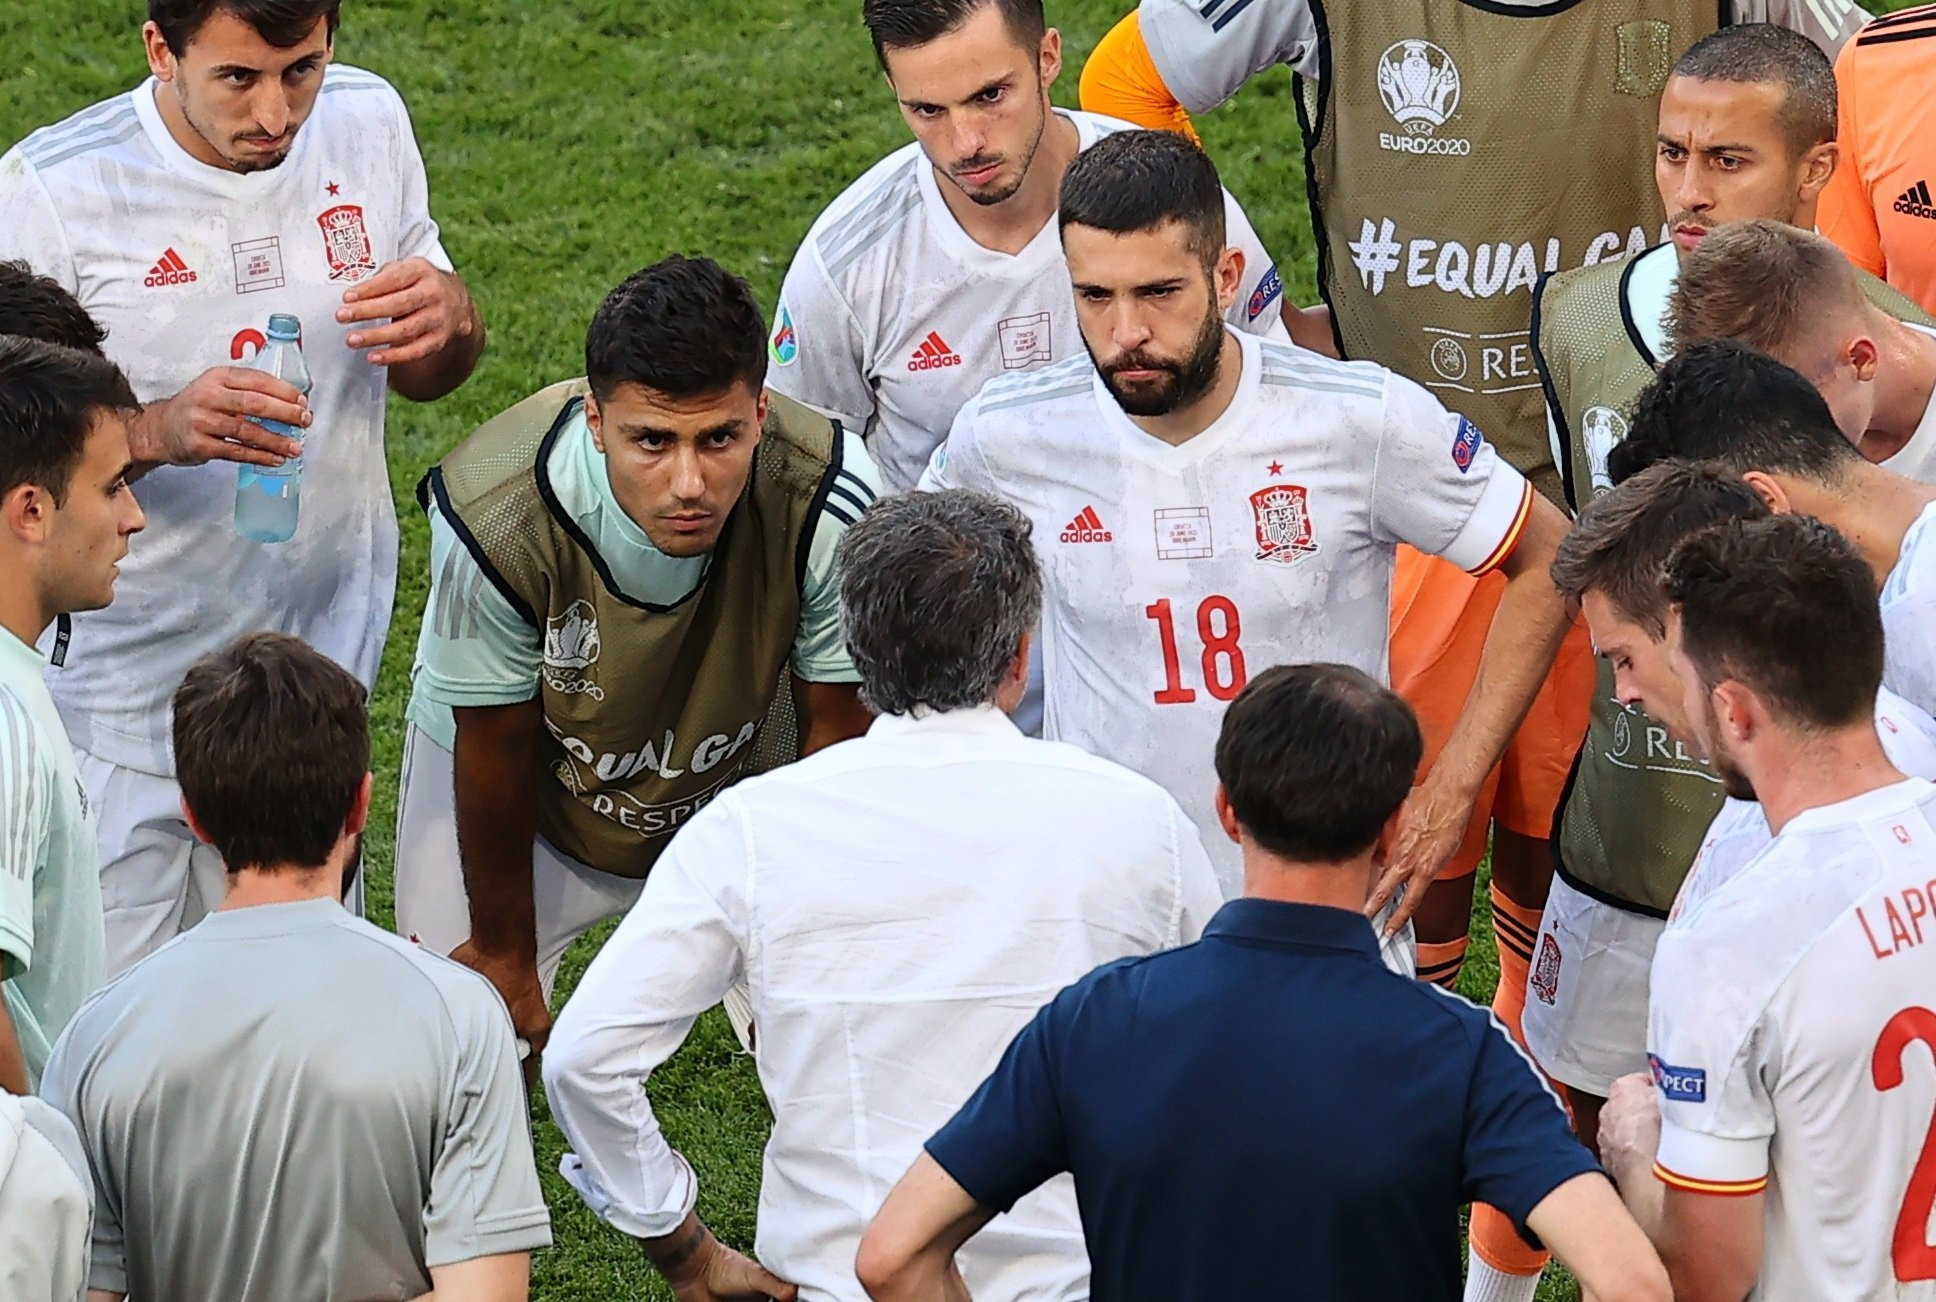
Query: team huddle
1054, 691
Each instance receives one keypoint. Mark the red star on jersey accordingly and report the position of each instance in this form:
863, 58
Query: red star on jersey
333, 188
1275, 467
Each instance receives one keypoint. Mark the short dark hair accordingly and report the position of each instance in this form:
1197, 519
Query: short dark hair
272, 742
907, 24
1315, 759
34, 306
937, 591
1786, 606
1618, 545
1140, 180
50, 398
1763, 52
282, 23
684, 327
1720, 400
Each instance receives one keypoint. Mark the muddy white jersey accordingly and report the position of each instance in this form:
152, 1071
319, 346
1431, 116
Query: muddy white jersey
892, 316
182, 263
1739, 831
1793, 1042
1174, 574
1909, 615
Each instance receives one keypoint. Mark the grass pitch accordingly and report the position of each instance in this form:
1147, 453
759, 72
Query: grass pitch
568, 145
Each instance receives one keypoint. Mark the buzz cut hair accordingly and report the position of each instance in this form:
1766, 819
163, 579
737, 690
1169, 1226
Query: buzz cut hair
1748, 53
1765, 283
909, 24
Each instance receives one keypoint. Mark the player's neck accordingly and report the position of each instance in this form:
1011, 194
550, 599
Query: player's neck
22, 612
168, 103
1012, 225
1905, 380
1874, 508
1794, 773
1186, 422
1289, 881
290, 883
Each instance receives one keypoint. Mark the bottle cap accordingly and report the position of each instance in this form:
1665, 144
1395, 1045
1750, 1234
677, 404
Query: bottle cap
284, 327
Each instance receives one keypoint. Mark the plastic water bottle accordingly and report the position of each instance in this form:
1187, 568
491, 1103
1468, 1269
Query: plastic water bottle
268, 498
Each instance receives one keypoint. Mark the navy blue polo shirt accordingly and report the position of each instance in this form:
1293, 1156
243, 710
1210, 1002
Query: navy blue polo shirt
1267, 1113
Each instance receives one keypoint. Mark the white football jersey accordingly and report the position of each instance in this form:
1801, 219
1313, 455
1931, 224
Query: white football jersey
182, 263
891, 317
1909, 615
1739, 831
1173, 574
1792, 1041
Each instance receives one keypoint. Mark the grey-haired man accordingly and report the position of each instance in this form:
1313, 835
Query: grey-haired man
898, 905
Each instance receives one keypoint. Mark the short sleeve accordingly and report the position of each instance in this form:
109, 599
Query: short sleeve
484, 1193
1206, 51
475, 649
1259, 306
1519, 1146
817, 353
417, 234
1845, 213
1120, 80
958, 463
1441, 486
60, 1086
1828, 23
26, 813
1709, 1052
30, 225
1008, 1139
819, 650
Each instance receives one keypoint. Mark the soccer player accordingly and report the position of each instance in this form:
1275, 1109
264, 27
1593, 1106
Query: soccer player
1209, 504
248, 175
1724, 402
895, 936
1794, 295
1590, 986
355, 1099
1268, 1113
1791, 1098
65, 518
1879, 206
939, 268
1746, 130
632, 583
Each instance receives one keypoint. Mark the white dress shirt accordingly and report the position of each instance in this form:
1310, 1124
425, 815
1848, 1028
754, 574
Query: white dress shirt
899, 905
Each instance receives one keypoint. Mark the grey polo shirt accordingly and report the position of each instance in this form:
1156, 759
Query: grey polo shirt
288, 1103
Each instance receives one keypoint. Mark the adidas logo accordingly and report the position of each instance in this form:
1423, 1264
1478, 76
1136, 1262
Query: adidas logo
1915, 201
170, 270
1087, 528
933, 354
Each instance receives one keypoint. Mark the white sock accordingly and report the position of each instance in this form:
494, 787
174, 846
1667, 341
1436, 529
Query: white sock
1484, 1284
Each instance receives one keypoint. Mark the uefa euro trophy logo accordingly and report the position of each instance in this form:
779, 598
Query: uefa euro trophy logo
571, 638
1419, 84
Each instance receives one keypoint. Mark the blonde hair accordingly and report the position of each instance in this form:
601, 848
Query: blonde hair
1763, 283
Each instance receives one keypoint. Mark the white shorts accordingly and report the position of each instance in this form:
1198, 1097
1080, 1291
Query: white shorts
434, 909
157, 880
1586, 998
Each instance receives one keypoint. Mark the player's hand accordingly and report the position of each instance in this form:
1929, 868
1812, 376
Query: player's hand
1630, 1125
209, 421
1430, 828
427, 309
516, 979
699, 1268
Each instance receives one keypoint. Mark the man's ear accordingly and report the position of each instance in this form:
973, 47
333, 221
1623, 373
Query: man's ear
1737, 710
1818, 165
1227, 817
1048, 59
1864, 357
161, 59
1228, 277
595, 422
28, 512
1769, 490
195, 827
359, 815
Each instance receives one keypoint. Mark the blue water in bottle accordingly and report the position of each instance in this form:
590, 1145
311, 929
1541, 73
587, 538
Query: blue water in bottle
269, 498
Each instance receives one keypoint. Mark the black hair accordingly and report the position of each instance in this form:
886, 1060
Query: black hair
684, 327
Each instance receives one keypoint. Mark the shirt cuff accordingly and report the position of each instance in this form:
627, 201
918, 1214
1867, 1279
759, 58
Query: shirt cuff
637, 1222
1492, 530
1708, 1164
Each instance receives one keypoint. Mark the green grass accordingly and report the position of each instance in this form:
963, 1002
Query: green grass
569, 144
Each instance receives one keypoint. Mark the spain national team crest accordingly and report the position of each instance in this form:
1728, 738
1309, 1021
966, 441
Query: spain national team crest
346, 243
1545, 979
1282, 514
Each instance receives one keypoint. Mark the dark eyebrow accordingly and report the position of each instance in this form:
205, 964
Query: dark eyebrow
734, 427
1000, 83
